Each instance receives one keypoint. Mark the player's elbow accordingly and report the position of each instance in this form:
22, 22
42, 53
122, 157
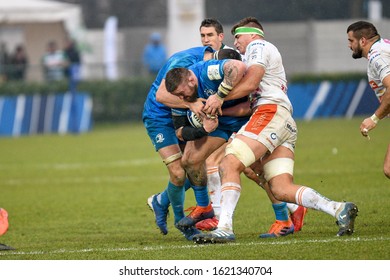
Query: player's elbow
251, 87
241, 68
159, 98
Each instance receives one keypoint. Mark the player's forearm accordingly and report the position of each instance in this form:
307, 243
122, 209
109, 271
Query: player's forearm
248, 84
241, 90
170, 100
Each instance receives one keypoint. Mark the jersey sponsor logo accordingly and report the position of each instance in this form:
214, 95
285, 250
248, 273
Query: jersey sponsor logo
213, 72
254, 51
258, 43
291, 128
380, 65
160, 138
255, 54
374, 55
261, 118
377, 65
209, 91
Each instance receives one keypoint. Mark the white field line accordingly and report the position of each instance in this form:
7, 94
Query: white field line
192, 246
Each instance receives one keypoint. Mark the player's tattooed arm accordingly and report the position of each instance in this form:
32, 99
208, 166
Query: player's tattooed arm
233, 71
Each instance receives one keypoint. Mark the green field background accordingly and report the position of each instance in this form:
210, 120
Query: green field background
83, 197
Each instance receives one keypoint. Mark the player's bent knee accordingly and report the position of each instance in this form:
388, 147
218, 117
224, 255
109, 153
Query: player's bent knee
231, 164
186, 162
241, 151
177, 173
278, 166
178, 179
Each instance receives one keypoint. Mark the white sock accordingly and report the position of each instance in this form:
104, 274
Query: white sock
230, 193
311, 199
214, 187
292, 207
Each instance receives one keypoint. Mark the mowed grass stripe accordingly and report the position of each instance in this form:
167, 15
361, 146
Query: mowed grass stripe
277, 242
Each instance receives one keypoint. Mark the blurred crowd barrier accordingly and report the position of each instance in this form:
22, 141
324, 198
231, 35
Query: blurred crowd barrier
36, 114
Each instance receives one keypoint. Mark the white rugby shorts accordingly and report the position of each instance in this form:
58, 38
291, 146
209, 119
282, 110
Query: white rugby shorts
273, 126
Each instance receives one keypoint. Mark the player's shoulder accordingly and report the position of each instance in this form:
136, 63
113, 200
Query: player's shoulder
206, 63
384, 47
377, 50
261, 43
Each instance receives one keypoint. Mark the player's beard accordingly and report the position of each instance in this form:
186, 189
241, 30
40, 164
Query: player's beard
358, 53
194, 95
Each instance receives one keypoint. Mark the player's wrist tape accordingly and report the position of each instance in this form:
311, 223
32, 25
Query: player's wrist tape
374, 118
220, 95
215, 55
223, 90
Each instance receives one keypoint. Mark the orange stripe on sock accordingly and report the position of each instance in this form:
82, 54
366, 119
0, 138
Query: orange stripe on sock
300, 191
231, 188
212, 170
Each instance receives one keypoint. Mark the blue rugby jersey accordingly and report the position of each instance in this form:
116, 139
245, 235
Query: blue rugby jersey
210, 75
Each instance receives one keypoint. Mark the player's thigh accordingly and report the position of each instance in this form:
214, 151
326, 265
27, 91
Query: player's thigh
216, 157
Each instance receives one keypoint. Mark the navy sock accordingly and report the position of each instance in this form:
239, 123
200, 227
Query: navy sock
163, 198
187, 184
201, 195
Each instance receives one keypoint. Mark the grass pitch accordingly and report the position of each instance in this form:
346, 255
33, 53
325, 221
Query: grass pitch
83, 197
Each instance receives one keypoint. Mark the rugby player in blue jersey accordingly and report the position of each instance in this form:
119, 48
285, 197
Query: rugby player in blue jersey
211, 34
158, 123
201, 81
